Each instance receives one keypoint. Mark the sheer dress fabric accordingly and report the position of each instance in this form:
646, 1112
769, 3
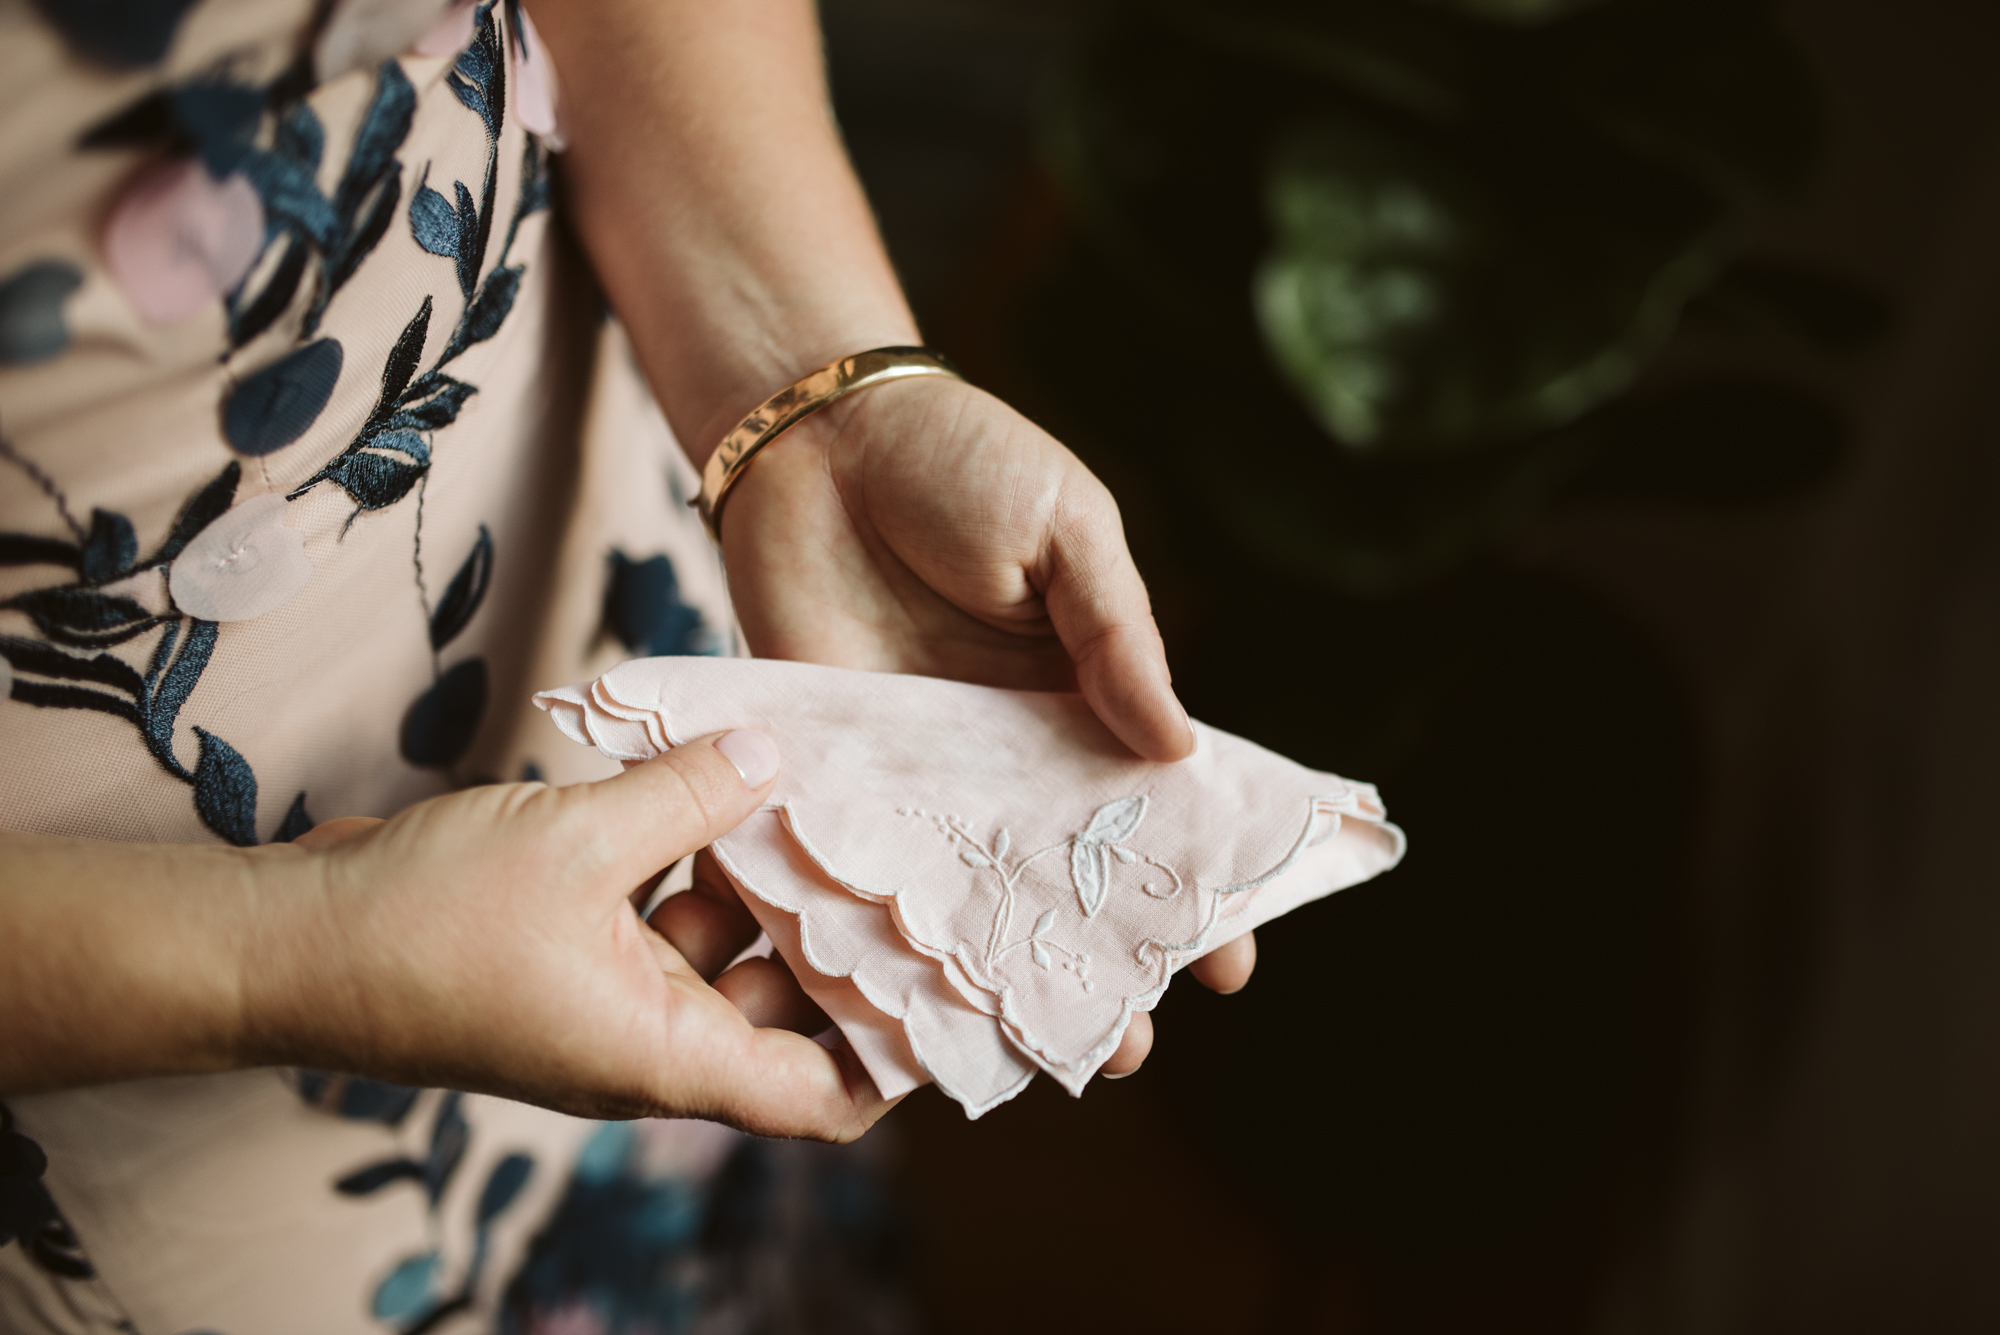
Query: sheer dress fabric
320, 454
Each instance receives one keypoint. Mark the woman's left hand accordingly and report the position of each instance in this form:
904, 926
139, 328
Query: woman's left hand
924, 526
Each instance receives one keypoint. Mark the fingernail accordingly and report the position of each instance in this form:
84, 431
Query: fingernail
754, 755
1122, 1074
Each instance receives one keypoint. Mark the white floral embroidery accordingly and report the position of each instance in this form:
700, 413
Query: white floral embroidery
1090, 852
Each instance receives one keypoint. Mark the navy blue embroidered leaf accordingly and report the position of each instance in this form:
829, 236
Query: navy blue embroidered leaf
202, 509
344, 229
375, 481
163, 653
44, 696
82, 617
450, 1134
300, 136
441, 722
24, 549
407, 1291
124, 34
467, 247
291, 195
171, 679
110, 550
54, 1248
367, 1181
432, 221
479, 78
384, 126
145, 123
484, 231
535, 193
503, 1184
48, 661
24, 1203
465, 593
490, 308
644, 612
220, 119
295, 823
445, 395
466, 89
356, 1099
347, 257
274, 406
32, 328
405, 441
246, 322
403, 359
225, 791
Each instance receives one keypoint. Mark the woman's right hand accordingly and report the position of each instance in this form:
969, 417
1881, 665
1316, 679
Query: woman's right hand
485, 940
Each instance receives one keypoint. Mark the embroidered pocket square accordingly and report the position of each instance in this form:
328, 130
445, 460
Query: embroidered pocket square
974, 883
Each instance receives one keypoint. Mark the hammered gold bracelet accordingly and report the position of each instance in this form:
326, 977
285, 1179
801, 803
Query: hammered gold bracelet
792, 405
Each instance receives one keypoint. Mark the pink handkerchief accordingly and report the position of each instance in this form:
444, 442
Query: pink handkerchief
976, 884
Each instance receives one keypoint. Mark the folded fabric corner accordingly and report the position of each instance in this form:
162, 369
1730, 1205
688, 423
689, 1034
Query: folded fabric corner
989, 872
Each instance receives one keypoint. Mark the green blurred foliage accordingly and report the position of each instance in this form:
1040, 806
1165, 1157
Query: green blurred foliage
1453, 235
1456, 231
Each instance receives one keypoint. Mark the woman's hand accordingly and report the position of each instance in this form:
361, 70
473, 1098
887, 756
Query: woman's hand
921, 526
924, 526
486, 940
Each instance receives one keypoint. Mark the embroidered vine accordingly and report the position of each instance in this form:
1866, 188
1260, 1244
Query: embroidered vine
80, 621
1090, 849
117, 595
219, 121
391, 455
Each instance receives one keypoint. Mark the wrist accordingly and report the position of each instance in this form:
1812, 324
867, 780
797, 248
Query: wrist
124, 960
286, 984
734, 390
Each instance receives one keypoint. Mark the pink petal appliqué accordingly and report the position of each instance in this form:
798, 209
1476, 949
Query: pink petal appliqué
536, 92
178, 239
244, 564
452, 32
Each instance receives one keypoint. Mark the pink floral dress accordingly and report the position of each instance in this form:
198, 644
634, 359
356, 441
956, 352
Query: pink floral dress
307, 402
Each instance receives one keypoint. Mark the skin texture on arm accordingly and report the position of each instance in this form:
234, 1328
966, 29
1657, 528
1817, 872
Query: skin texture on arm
485, 941
708, 180
921, 526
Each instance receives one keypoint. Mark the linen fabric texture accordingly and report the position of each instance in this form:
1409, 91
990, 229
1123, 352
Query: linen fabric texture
976, 883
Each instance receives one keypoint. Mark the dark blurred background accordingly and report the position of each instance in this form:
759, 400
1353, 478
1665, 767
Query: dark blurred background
1573, 416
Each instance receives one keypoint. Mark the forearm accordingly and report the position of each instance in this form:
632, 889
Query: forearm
709, 185
122, 960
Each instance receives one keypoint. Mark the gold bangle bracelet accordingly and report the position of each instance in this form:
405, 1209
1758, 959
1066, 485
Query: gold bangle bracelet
795, 403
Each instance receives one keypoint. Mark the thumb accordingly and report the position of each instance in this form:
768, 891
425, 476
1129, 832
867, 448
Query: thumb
657, 813
337, 831
1099, 608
